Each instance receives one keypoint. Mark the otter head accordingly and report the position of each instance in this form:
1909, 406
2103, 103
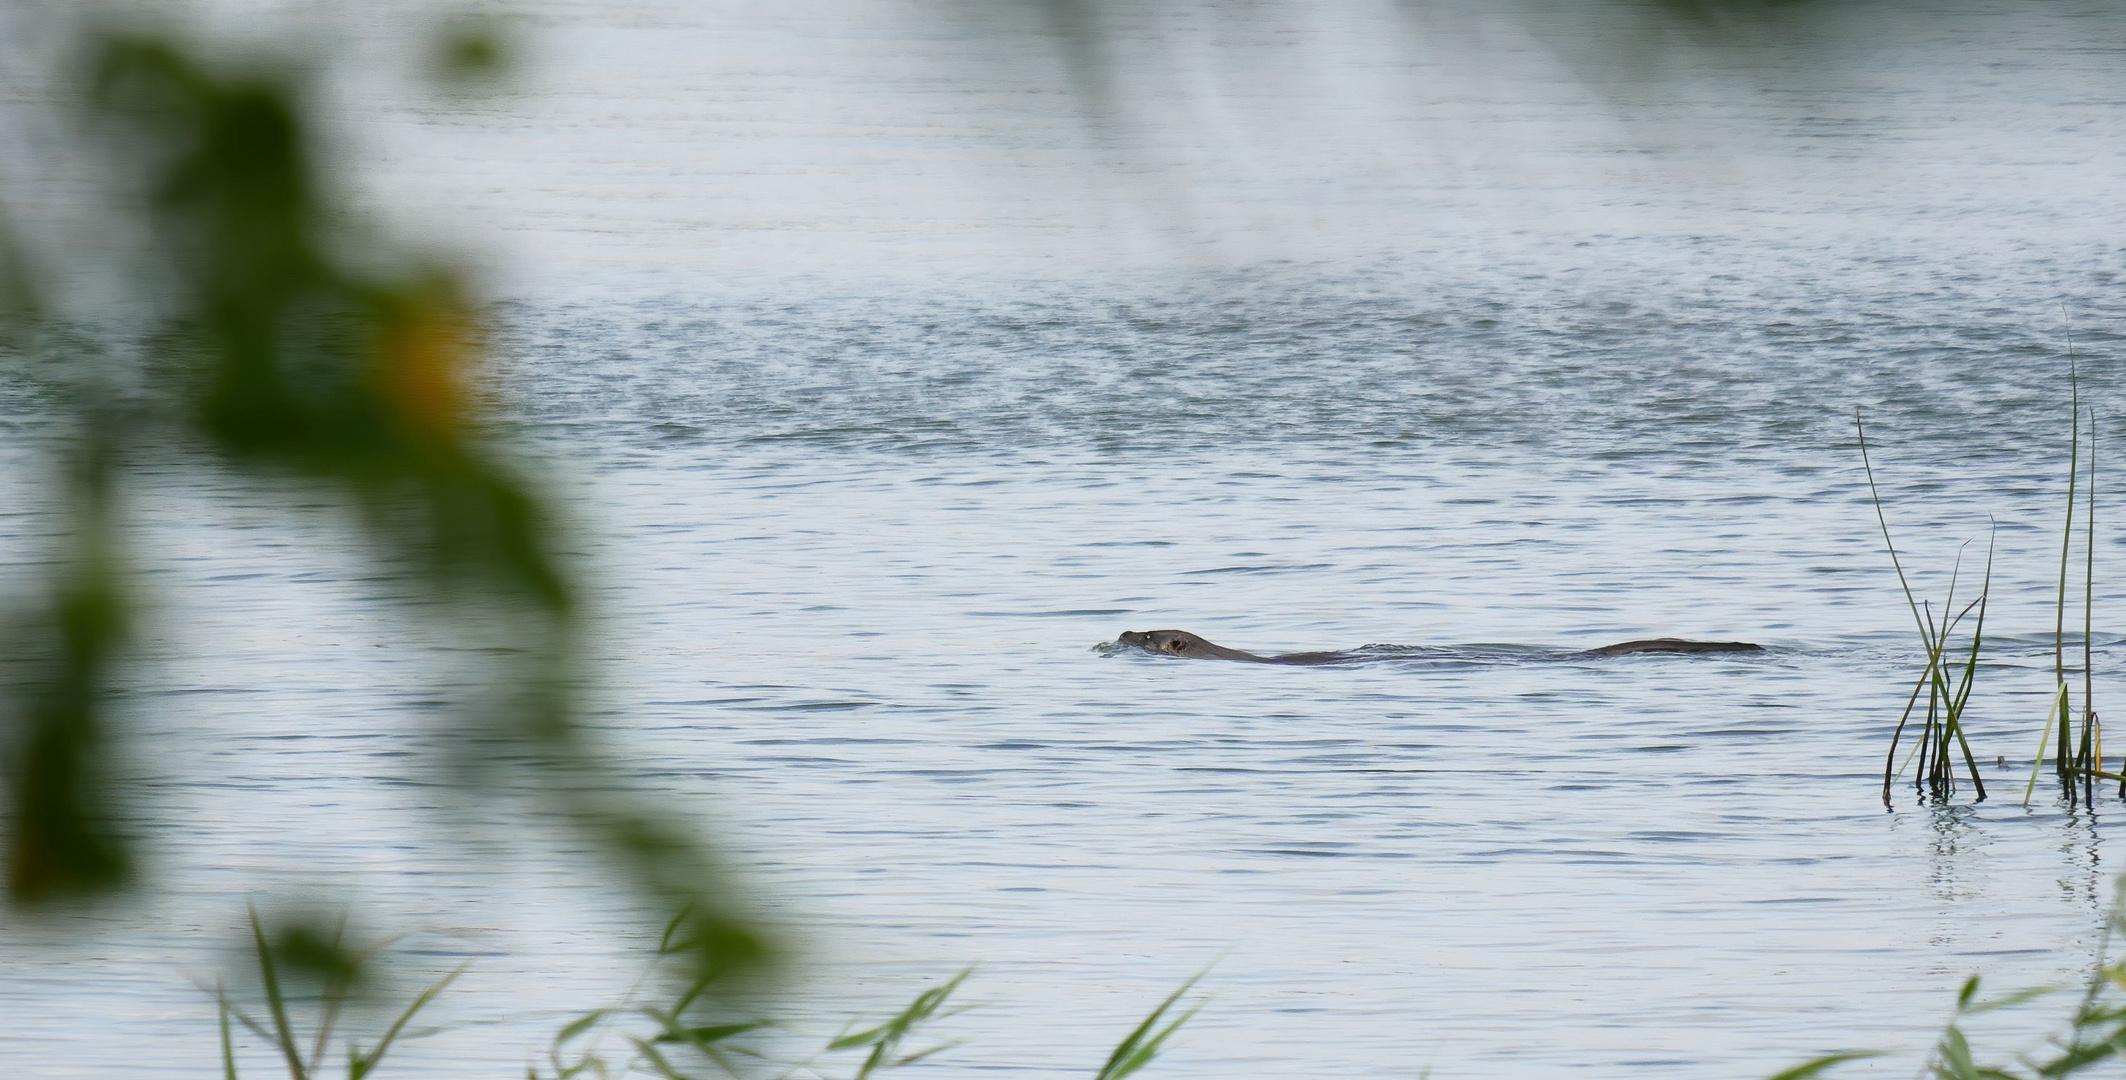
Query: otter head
1170, 642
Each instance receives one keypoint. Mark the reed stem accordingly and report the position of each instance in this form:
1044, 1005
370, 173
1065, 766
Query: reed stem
2062, 763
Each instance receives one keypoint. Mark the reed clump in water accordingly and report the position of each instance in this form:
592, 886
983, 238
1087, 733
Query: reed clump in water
2075, 743
1947, 677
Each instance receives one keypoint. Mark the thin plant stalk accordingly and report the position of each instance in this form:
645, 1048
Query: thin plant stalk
1890, 767
1940, 779
359, 1064
2059, 708
885, 1040
2059, 625
335, 996
1926, 632
1970, 678
1896, 564
1928, 682
228, 1046
283, 1032
2092, 740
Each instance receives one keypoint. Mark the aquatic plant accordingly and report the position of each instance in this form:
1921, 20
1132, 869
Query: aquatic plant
1948, 694
1948, 675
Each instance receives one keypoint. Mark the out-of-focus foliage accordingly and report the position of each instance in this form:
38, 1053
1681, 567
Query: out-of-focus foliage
280, 355
17, 304
64, 833
471, 51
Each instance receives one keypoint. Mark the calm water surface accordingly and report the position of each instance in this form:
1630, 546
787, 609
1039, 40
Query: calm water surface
856, 534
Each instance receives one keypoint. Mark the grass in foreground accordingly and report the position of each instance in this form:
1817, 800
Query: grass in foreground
678, 1038
338, 970
2093, 1037
672, 1040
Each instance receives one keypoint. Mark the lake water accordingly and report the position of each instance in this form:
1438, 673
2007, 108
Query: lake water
881, 411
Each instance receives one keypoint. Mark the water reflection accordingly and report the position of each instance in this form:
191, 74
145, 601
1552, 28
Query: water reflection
1953, 828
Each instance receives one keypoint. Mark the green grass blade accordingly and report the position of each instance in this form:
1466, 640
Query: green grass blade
703, 1040
1876, 496
1953, 1056
2091, 740
359, 1066
1970, 679
1930, 681
1148, 1049
671, 929
885, 1039
284, 1034
1807, 1069
1978, 634
2009, 1001
695, 990
334, 997
2074, 450
1901, 721
658, 1061
580, 1025
711, 1033
921, 1054
228, 1047
1889, 765
1142, 1044
1934, 736
2045, 737
251, 1025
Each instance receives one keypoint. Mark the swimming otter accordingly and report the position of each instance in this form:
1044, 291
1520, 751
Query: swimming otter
1183, 643
1671, 645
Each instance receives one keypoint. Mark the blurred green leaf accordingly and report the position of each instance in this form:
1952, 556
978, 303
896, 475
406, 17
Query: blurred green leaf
360, 1065
66, 835
18, 298
1142, 1044
885, 1039
697, 1036
471, 49
1817, 1066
